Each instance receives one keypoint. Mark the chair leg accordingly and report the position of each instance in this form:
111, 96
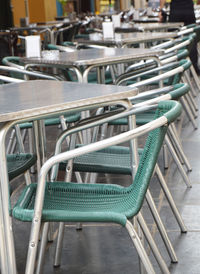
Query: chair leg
179, 149
176, 148
58, 251
193, 111
31, 146
32, 248
188, 112
180, 167
165, 156
140, 249
11, 140
187, 80
21, 149
161, 227
152, 244
170, 199
64, 127
110, 130
193, 102
44, 240
195, 76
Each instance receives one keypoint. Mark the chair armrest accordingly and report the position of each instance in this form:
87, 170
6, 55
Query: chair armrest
167, 112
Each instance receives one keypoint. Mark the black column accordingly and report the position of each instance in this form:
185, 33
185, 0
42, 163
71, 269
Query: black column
6, 19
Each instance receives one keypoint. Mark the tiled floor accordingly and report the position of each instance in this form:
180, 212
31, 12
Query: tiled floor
98, 249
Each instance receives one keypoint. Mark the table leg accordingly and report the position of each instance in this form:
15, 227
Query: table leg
7, 251
40, 142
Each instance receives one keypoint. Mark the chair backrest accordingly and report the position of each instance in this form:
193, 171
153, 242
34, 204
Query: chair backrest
197, 31
169, 57
7, 79
12, 61
171, 72
61, 48
67, 33
180, 44
176, 44
174, 92
174, 50
166, 113
174, 56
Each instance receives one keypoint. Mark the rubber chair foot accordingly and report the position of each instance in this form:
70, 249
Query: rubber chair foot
79, 226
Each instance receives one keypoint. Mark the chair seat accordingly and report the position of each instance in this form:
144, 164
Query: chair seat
75, 202
92, 78
19, 163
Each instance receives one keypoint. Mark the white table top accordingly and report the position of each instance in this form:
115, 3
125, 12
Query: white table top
40, 98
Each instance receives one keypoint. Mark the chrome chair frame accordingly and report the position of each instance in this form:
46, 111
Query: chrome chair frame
75, 153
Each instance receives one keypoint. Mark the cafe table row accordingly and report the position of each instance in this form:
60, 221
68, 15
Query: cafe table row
83, 61
36, 100
127, 39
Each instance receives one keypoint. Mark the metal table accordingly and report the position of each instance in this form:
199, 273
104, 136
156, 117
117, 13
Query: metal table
127, 39
31, 100
50, 28
82, 61
147, 20
151, 26
32, 29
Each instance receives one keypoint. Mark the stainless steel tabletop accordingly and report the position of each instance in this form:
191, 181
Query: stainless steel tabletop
158, 26
145, 19
152, 26
94, 56
122, 39
33, 27
44, 25
43, 97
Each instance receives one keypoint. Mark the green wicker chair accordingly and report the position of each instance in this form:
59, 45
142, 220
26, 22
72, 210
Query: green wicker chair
13, 61
71, 202
130, 78
116, 160
19, 163
182, 43
172, 76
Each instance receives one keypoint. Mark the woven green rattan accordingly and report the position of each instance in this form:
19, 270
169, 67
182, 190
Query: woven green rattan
19, 163
176, 93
